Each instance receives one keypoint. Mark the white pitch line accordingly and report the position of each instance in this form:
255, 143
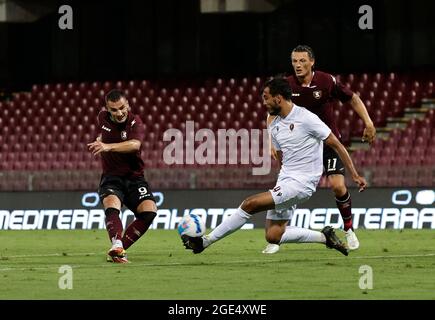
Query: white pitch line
53, 255
66, 254
264, 261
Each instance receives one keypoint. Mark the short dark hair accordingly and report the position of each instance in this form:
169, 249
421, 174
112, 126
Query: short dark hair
279, 85
114, 95
304, 48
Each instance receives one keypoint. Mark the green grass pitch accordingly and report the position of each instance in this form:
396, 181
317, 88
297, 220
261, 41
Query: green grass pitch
403, 264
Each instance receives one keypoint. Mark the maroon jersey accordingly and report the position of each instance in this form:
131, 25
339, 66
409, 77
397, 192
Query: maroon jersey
117, 163
319, 95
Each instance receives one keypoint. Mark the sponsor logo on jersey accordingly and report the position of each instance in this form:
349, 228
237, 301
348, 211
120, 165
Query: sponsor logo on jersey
105, 128
317, 94
133, 122
123, 135
296, 94
292, 126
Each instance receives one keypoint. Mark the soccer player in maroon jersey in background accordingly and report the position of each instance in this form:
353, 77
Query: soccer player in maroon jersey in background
122, 181
315, 90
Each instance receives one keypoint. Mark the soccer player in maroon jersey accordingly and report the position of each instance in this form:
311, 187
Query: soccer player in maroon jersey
315, 90
122, 181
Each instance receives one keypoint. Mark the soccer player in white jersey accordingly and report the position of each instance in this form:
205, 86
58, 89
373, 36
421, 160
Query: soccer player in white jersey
298, 136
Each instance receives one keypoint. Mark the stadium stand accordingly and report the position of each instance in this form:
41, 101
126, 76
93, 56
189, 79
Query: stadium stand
44, 132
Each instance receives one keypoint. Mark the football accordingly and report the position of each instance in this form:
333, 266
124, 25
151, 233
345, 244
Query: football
191, 225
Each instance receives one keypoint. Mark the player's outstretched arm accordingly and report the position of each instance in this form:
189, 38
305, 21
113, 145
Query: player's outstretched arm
359, 107
128, 146
334, 143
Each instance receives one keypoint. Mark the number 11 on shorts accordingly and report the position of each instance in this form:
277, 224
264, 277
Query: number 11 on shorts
334, 164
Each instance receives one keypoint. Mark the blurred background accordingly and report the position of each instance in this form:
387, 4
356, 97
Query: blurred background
206, 61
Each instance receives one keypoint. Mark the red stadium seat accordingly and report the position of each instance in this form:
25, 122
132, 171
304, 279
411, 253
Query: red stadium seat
59, 119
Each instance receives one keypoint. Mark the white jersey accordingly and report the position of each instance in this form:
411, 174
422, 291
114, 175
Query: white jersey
300, 137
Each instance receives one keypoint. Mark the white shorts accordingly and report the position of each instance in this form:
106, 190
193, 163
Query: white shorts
286, 195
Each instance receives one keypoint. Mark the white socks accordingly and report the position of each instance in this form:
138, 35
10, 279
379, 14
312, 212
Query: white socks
116, 243
240, 217
228, 226
299, 235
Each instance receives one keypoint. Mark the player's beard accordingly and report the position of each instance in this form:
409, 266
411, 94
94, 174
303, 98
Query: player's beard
275, 110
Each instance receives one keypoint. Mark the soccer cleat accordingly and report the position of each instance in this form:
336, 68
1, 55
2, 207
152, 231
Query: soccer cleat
333, 242
351, 239
117, 259
116, 251
118, 255
120, 259
271, 248
193, 243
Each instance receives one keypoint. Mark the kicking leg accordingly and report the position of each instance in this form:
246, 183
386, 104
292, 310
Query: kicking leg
251, 205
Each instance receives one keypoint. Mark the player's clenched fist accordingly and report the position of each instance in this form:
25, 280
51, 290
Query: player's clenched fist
369, 134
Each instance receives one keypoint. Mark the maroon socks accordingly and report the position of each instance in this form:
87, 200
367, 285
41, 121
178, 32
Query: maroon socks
344, 204
137, 228
113, 224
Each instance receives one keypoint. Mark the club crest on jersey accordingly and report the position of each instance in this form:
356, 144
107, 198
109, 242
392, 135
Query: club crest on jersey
124, 135
292, 126
317, 94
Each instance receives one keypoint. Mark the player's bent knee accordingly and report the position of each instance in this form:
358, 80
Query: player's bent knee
338, 186
273, 237
112, 201
339, 190
250, 204
147, 205
274, 233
